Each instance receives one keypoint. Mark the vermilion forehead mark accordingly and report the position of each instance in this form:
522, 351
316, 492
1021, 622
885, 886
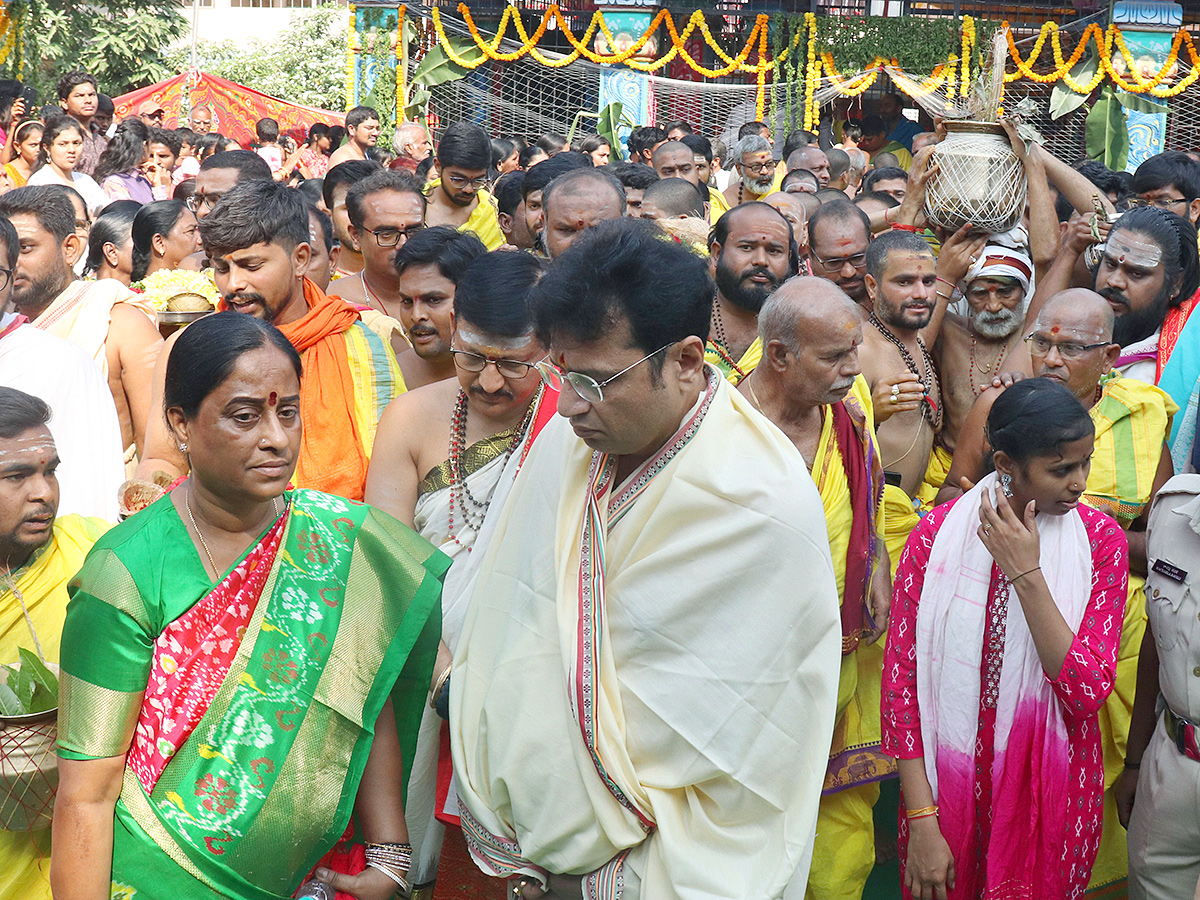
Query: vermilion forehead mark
1054, 330
272, 398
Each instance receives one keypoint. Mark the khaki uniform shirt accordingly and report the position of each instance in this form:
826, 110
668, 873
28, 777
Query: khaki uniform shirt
1173, 591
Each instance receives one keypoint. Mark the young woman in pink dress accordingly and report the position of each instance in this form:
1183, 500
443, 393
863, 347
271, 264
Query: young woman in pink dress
1001, 650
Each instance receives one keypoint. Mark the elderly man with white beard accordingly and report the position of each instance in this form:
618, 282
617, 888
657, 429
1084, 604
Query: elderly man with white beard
971, 350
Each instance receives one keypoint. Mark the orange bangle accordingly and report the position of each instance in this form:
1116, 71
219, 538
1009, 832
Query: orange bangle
923, 813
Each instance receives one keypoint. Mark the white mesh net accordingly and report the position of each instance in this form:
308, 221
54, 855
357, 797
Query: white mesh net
526, 98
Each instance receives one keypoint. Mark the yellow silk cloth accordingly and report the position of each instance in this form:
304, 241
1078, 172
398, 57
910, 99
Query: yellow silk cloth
935, 477
484, 223
856, 730
25, 855
1132, 420
844, 851
718, 359
717, 205
900, 518
715, 655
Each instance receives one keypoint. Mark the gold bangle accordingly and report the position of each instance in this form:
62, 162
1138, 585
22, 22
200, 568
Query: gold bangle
922, 813
437, 687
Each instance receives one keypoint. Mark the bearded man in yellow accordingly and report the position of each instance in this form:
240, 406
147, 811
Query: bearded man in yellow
39, 554
810, 385
752, 252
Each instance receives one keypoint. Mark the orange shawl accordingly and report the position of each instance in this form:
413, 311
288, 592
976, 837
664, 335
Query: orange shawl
332, 456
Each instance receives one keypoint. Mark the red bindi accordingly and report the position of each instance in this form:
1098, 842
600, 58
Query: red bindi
1054, 330
272, 398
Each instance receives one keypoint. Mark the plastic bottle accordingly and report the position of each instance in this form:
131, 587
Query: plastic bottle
316, 890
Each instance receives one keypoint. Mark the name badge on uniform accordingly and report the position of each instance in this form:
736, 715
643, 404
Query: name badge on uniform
1162, 567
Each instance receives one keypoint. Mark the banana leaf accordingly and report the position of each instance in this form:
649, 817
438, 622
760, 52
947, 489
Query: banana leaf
1063, 100
1106, 135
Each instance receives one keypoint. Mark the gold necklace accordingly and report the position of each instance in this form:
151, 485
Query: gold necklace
187, 504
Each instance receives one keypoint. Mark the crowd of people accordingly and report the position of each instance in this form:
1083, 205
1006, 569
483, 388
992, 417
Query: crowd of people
530, 522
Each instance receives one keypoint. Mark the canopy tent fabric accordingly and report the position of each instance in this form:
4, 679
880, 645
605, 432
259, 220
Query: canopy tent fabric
235, 107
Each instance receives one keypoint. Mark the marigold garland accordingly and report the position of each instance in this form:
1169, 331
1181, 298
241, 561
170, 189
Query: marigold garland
954, 75
350, 56
1104, 40
968, 43
400, 73
812, 77
8, 27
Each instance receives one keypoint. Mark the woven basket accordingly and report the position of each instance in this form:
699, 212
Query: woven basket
979, 181
28, 769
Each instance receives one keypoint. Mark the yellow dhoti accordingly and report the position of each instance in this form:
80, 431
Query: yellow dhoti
935, 476
900, 518
25, 855
1132, 420
844, 848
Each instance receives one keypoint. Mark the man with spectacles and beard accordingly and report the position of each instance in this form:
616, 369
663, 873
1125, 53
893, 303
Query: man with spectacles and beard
459, 198
384, 209
429, 266
258, 241
444, 455
839, 235
591, 644
752, 251
756, 166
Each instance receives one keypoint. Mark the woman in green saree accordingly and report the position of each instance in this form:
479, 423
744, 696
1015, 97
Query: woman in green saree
243, 666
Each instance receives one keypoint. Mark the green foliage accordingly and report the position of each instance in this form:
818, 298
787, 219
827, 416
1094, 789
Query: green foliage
28, 688
1106, 134
917, 44
1140, 103
436, 67
306, 64
121, 42
609, 123
1063, 100
382, 97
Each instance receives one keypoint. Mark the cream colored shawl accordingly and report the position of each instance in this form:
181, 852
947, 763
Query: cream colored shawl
82, 313
644, 689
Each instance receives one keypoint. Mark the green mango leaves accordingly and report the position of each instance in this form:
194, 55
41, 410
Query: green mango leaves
28, 688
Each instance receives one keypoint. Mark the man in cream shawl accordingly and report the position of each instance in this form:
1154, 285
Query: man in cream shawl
643, 694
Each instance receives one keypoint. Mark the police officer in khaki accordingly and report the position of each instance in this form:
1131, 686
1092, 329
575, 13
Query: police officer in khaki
1158, 794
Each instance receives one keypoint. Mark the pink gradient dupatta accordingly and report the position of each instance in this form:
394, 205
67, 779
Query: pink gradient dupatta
1030, 771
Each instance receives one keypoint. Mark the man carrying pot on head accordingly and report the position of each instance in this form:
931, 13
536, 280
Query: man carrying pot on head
38, 556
